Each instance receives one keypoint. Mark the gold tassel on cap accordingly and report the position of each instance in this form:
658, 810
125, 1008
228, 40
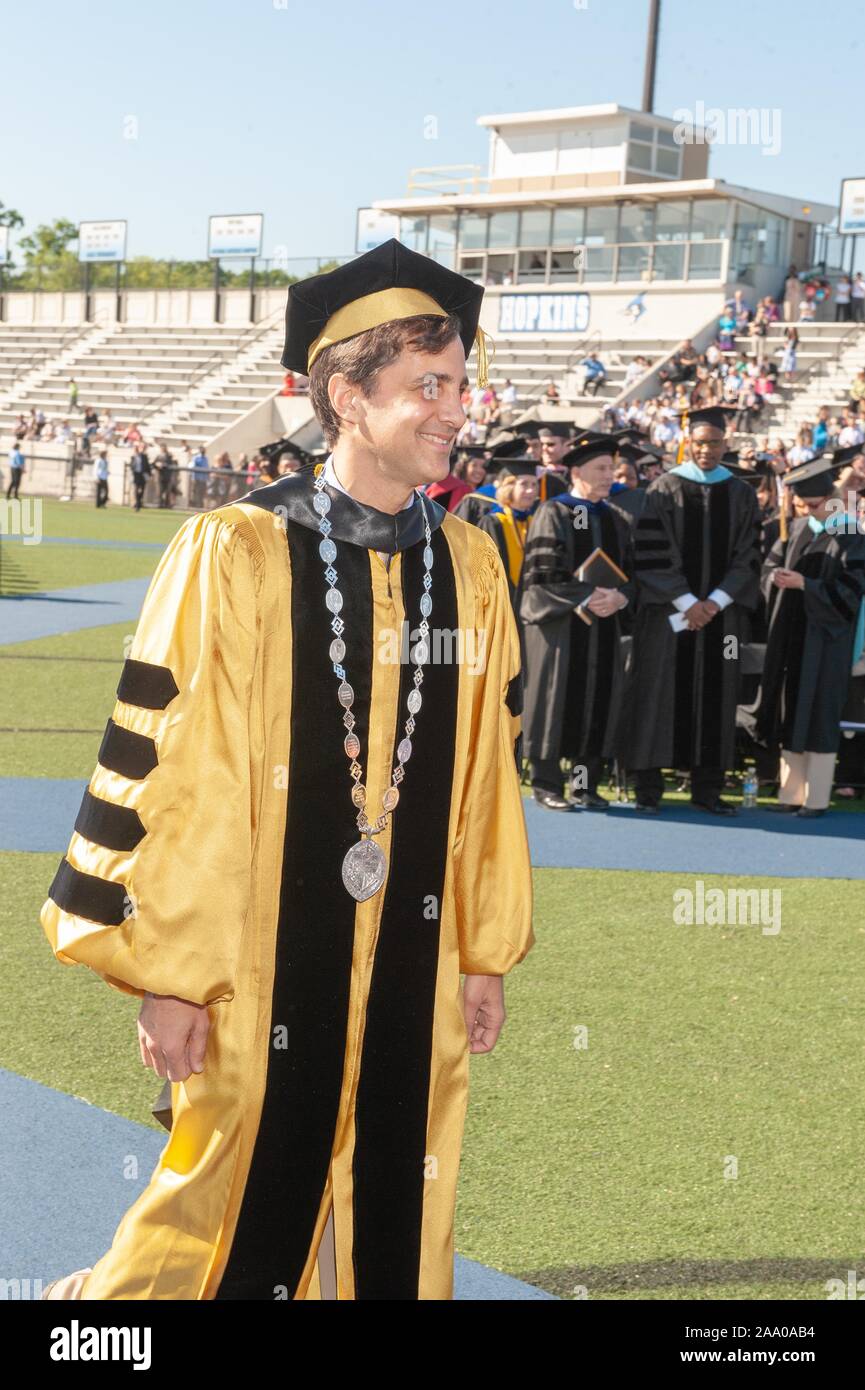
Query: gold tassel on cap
481, 336
680, 452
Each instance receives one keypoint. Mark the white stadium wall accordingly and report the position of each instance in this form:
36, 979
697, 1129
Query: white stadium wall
587, 312
177, 308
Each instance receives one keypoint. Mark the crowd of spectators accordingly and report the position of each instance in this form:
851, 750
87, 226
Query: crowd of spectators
745, 379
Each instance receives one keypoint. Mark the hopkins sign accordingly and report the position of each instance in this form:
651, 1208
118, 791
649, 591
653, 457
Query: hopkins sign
543, 313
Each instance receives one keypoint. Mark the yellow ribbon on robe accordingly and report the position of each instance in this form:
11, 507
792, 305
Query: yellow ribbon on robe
514, 531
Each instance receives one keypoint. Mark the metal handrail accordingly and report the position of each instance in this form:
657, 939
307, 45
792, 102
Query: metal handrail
54, 351
207, 366
593, 339
818, 368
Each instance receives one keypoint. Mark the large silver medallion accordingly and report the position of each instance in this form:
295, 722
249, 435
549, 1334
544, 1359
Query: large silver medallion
363, 869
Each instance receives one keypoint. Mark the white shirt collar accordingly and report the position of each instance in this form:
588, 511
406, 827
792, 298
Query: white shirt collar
330, 477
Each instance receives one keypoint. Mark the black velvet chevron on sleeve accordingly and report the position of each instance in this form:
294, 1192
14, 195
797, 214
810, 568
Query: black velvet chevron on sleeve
115, 827
146, 684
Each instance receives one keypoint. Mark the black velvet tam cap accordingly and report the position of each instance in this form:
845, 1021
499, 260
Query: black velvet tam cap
390, 282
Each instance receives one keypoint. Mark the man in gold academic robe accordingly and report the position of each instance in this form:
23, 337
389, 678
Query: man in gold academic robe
316, 1038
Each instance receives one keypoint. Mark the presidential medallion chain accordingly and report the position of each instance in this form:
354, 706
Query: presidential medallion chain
364, 866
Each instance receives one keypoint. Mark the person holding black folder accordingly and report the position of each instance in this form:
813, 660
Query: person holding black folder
576, 588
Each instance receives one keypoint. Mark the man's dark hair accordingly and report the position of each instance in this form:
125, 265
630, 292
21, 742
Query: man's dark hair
364, 356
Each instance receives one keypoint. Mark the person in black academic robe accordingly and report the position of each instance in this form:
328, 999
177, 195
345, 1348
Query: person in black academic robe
551, 484
762, 479
814, 584
507, 521
574, 672
472, 506
634, 454
697, 562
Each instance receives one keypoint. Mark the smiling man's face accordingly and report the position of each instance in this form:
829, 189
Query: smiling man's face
707, 446
411, 418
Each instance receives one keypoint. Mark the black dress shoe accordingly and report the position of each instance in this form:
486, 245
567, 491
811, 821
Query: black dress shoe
647, 808
552, 800
784, 808
806, 813
716, 807
589, 801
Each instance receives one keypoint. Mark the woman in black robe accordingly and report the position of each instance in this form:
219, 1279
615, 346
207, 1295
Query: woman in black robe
814, 584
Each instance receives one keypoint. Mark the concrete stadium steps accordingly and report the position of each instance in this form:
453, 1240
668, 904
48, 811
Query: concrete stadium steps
530, 367
28, 354
828, 358
176, 381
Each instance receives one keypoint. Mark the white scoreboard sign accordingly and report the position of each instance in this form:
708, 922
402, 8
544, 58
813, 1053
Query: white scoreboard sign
102, 241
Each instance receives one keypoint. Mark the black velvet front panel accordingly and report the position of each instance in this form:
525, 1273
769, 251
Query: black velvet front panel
315, 935
392, 1099
697, 709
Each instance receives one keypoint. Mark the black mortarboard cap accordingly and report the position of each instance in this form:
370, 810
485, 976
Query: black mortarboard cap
761, 469
847, 454
517, 467
562, 429
509, 456
708, 415
640, 451
816, 478
474, 450
274, 451
390, 282
587, 446
509, 450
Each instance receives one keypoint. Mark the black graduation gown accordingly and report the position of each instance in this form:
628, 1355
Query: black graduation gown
806, 674
574, 673
474, 506
445, 492
494, 525
631, 500
770, 530
683, 687
551, 485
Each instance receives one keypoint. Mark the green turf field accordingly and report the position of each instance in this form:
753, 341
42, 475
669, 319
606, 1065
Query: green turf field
602, 1167
606, 1170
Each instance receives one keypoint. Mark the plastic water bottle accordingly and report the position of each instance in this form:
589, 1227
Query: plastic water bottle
749, 792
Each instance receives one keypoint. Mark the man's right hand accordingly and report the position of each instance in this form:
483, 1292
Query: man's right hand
697, 616
172, 1035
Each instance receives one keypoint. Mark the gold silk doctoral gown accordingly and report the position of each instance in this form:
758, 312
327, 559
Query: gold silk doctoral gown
206, 864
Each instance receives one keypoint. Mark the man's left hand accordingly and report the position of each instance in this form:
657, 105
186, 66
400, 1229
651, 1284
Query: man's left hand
484, 1010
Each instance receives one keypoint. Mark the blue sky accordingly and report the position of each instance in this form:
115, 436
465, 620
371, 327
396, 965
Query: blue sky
306, 111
